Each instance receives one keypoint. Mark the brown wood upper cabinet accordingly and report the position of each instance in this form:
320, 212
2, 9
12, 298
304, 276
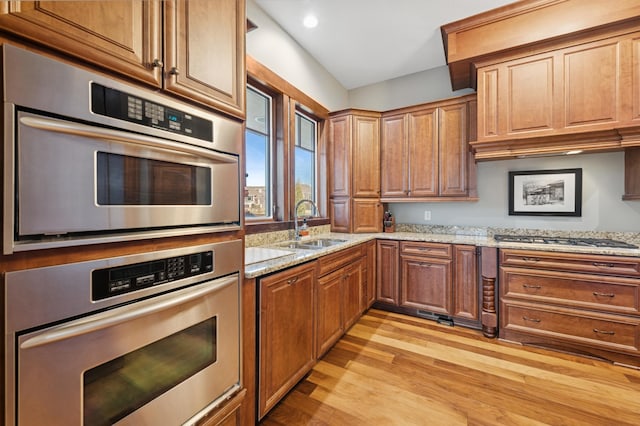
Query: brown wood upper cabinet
203, 57
425, 152
579, 96
354, 178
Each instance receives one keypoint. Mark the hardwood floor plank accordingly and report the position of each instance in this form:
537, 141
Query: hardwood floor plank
390, 369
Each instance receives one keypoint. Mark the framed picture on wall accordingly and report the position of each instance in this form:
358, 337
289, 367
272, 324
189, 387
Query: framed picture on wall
545, 193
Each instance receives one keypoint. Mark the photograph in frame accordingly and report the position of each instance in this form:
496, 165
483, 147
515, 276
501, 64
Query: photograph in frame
545, 192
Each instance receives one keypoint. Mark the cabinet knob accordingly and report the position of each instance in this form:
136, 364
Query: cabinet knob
174, 71
157, 63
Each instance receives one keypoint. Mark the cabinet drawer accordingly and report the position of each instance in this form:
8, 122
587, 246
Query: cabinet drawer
598, 330
426, 249
613, 294
333, 261
595, 264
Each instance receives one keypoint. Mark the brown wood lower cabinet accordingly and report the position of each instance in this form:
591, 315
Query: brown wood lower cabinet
287, 338
435, 280
340, 294
304, 310
587, 304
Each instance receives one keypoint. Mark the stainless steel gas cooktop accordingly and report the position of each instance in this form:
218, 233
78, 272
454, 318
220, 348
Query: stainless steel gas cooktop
567, 241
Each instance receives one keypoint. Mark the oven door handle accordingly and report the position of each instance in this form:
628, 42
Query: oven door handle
125, 313
72, 128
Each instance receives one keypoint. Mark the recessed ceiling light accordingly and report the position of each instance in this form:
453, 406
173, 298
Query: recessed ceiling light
310, 21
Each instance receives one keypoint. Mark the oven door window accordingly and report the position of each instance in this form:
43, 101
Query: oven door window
119, 387
133, 181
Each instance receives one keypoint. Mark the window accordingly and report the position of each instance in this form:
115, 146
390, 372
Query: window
286, 153
305, 163
258, 140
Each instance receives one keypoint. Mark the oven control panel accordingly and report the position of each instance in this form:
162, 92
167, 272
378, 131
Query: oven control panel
109, 282
124, 106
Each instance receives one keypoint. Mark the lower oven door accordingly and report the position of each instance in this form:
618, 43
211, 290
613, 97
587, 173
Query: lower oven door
155, 362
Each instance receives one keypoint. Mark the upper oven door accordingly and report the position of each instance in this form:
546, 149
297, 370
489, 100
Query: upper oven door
75, 178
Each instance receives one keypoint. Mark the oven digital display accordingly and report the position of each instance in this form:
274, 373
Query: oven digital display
174, 116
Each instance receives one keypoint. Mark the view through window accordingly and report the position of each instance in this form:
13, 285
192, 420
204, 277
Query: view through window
257, 201
305, 160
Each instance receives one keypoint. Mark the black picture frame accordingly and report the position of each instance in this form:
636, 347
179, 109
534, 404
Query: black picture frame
545, 192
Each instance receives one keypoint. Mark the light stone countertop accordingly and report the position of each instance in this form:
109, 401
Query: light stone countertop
256, 267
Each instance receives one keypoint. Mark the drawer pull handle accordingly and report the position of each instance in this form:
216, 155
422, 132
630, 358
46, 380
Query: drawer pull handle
531, 286
531, 259
610, 333
292, 280
531, 319
603, 265
598, 294
423, 248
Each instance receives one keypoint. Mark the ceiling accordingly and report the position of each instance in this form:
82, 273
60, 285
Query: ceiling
361, 42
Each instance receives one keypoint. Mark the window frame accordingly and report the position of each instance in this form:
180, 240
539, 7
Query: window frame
287, 100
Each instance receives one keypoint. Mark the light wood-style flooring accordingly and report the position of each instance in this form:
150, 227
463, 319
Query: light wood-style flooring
390, 369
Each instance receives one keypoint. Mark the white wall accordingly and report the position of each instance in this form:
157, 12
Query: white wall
602, 205
274, 48
412, 89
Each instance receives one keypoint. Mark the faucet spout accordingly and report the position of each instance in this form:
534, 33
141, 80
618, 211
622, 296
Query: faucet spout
296, 218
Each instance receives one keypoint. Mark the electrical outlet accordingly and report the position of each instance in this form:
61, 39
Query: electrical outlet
427, 215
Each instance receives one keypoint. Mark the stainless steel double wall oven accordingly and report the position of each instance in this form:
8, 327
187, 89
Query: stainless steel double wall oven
144, 339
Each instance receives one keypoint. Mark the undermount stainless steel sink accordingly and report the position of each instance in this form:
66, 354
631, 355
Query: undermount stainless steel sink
312, 244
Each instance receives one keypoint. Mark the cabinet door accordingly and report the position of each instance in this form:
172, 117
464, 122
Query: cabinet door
286, 332
592, 76
465, 283
121, 36
367, 215
205, 53
393, 162
423, 153
453, 148
329, 324
340, 156
426, 284
387, 272
366, 157
370, 275
352, 293
340, 214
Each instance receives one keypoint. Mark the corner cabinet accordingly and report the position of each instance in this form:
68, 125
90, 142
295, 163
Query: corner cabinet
354, 173
433, 280
425, 153
204, 42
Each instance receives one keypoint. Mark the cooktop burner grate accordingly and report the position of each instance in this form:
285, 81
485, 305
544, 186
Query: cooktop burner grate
568, 241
